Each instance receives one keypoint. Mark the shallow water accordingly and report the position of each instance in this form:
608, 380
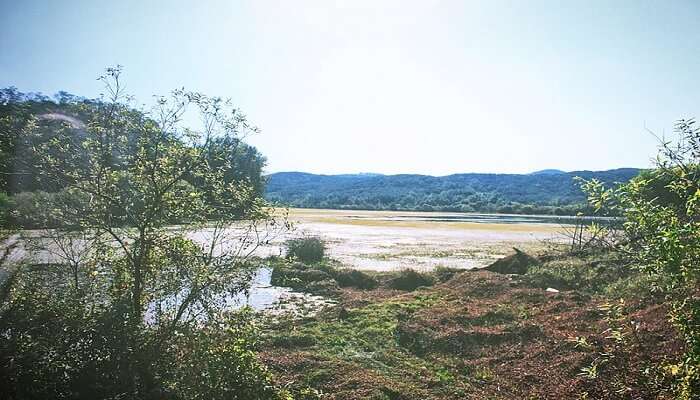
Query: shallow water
263, 296
391, 240
475, 218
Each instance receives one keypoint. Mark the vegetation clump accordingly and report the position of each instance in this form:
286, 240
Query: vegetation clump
318, 278
355, 278
593, 272
662, 228
444, 274
307, 249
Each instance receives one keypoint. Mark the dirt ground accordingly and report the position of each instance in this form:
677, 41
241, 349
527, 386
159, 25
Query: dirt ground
479, 335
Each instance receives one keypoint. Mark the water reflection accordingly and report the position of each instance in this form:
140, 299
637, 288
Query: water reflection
263, 296
485, 218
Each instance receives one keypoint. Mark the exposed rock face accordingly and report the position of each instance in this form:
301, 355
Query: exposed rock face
517, 263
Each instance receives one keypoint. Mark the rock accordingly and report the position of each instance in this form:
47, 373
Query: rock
551, 290
517, 263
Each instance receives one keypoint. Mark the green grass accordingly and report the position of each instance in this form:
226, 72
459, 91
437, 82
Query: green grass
366, 337
419, 344
597, 273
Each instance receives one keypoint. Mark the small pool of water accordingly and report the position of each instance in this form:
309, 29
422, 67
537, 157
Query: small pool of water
263, 296
266, 298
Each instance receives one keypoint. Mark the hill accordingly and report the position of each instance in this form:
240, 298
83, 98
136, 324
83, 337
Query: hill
542, 193
547, 172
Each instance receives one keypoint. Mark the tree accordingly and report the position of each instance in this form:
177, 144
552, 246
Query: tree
143, 297
662, 227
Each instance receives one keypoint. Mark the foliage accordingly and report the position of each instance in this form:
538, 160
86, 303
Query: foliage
558, 194
129, 306
662, 211
32, 122
317, 278
61, 347
355, 278
221, 361
594, 272
40, 209
307, 249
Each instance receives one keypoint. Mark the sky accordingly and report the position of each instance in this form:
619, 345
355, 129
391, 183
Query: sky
429, 87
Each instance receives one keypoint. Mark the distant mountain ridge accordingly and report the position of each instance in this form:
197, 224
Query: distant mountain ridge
546, 192
548, 172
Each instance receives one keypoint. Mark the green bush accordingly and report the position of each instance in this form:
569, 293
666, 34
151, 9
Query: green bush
356, 279
308, 249
317, 279
53, 345
217, 361
662, 226
409, 280
32, 210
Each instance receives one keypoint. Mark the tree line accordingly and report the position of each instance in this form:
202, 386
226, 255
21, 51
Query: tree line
32, 121
550, 193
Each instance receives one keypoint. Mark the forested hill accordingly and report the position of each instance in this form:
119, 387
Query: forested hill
32, 122
546, 192
51, 116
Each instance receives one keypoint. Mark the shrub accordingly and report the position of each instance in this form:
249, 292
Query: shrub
317, 279
662, 225
410, 280
32, 210
226, 364
309, 249
355, 278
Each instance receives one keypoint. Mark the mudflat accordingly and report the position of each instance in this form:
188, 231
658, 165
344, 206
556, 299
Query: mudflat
391, 240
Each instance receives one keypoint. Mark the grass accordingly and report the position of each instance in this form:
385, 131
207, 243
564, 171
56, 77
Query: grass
365, 339
469, 254
596, 273
521, 227
470, 335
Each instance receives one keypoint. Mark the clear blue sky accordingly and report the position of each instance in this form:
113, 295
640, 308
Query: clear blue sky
433, 87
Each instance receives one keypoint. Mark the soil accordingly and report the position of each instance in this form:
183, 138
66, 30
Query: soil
479, 335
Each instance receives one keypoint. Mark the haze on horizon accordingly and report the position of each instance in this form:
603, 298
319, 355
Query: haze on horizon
428, 87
